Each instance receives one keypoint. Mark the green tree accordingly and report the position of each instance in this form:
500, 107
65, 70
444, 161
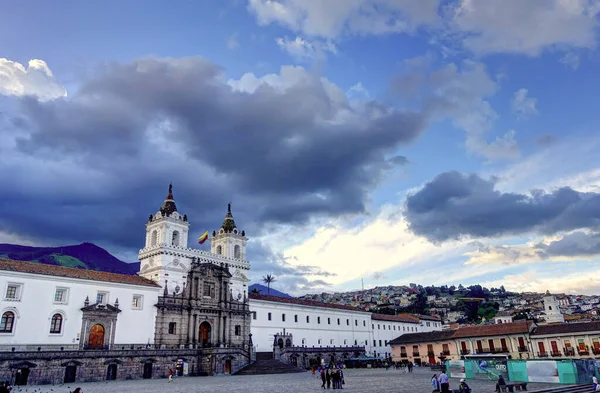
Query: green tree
269, 279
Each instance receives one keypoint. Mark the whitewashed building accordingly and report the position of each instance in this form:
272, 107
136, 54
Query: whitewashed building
52, 306
311, 323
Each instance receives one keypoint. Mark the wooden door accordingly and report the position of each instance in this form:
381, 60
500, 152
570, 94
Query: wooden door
204, 333
541, 348
96, 337
503, 344
111, 372
227, 366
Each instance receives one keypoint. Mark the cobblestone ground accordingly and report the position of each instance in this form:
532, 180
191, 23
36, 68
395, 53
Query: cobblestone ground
376, 380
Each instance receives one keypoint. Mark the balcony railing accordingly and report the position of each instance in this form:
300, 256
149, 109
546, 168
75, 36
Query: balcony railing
430, 353
416, 354
543, 354
596, 351
569, 351
446, 353
465, 351
583, 352
483, 350
403, 355
555, 353
522, 349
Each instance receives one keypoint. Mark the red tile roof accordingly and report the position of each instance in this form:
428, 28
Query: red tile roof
406, 318
464, 332
562, 328
493, 330
301, 302
61, 271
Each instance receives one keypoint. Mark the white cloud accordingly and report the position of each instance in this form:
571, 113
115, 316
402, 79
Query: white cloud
358, 91
522, 105
302, 49
538, 280
330, 19
481, 26
382, 243
35, 80
525, 27
460, 92
232, 42
571, 59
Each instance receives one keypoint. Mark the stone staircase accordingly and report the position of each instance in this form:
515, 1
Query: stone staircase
569, 389
268, 366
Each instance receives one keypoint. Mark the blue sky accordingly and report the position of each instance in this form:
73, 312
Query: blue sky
438, 142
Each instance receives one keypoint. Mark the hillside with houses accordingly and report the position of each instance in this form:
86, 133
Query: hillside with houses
463, 305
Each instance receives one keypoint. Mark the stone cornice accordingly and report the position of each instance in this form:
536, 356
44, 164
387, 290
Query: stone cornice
184, 252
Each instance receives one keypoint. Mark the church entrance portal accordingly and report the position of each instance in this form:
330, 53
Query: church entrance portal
96, 337
204, 334
280, 343
227, 366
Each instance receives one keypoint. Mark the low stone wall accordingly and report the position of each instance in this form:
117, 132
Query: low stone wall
301, 356
57, 367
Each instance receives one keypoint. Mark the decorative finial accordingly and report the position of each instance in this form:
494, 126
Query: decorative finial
229, 207
87, 301
170, 188
117, 303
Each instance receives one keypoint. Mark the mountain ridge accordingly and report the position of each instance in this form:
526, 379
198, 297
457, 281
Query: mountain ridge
82, 256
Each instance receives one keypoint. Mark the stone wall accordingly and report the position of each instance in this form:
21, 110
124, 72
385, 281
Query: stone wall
52, 367
301, 356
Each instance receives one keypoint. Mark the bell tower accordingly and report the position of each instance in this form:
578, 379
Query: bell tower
552, 309
166, 234
229, 241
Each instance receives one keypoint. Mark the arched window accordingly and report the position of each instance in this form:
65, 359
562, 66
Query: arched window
549, 308
7, 322
219, 250
56, 324
175, 239
154, 238
236, 252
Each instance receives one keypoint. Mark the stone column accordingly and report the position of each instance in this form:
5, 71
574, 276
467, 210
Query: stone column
195, 329
225, 338
190, 327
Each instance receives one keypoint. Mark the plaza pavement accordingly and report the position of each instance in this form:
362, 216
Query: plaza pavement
364, 380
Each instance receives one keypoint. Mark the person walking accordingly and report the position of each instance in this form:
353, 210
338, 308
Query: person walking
322, 372
435, 384
444, 383
328, 378
170, 375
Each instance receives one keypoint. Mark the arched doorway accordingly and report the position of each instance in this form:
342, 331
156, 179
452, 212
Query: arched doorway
111, 372
204, 333
21, 377
96, 337
280, 343
148, 370
227, 366
288, 343
70, 374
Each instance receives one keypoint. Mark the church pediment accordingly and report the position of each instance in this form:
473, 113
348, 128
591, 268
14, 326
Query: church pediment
240, 276
103, 308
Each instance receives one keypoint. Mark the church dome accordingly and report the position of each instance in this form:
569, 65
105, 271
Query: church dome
168, 207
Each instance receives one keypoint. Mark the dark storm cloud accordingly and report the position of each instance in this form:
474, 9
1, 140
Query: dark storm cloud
454, 205
571, 245
88, 167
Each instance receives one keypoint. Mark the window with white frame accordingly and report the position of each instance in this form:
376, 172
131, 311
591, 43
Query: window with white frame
13, 292
61, 296
137, 302
56, 324
102, 297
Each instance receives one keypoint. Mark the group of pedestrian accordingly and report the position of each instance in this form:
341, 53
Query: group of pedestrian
5, 387
442, 384
333, 376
